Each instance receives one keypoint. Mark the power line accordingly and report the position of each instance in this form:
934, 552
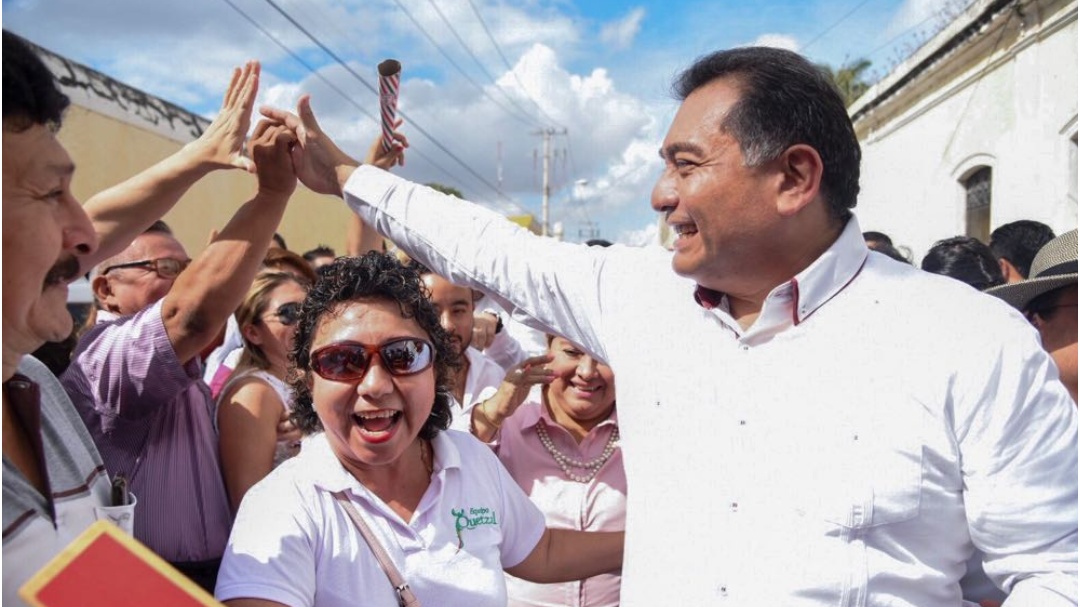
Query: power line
833, 26
510, 68
903, 33
371, 88
348, 98
474, 57
523, 118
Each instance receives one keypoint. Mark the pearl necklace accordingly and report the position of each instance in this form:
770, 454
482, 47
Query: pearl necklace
592, 467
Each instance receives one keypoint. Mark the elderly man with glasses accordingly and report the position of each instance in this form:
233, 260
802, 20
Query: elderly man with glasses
136, 376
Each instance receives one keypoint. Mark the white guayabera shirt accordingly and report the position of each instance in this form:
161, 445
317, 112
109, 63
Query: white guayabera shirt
874, 426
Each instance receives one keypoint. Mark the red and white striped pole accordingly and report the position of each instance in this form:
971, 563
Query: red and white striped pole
389, 81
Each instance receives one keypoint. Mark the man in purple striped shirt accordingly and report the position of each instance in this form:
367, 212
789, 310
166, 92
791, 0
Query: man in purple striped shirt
135, 377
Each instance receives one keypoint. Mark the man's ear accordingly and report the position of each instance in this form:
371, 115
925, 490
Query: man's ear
801, 169
1009, 271
102, 292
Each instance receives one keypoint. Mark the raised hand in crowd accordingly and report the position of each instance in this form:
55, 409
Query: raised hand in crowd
318, 162
485, 328
122, 212
270, 147
488, 416
383, 158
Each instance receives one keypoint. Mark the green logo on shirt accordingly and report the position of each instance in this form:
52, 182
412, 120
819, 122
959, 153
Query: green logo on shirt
472, 519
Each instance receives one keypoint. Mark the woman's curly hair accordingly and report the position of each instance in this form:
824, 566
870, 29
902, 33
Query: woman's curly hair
379, 277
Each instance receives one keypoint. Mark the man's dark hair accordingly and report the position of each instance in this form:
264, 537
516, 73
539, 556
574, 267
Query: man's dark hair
890, 251
785, 100
31, 95
378, 277
598, 242
1019, 241
159, 227
966, 259
319, 251
872, 236
279, 240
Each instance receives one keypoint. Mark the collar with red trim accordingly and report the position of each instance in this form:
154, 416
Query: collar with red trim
817, 283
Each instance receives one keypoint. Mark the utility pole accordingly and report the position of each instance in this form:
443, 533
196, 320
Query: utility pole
546, 191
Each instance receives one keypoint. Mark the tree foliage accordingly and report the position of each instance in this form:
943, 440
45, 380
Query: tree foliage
850, 78
445, 189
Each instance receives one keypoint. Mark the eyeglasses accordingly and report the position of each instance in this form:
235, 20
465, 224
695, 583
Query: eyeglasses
1043, 312
287, 314
164, 267
349, 361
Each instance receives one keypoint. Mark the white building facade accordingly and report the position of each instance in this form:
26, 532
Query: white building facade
977, 129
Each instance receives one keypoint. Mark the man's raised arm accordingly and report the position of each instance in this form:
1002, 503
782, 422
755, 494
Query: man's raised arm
124, 211
213, 286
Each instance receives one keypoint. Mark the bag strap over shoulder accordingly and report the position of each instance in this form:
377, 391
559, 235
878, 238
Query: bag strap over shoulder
406, 598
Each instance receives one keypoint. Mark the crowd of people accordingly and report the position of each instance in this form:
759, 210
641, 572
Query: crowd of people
805, 418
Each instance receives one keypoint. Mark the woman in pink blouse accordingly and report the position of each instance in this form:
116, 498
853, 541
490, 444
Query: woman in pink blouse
560, 442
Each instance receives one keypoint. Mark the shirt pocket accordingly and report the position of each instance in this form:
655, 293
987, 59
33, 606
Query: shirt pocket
881, 476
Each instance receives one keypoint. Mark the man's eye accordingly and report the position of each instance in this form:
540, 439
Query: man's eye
574, 353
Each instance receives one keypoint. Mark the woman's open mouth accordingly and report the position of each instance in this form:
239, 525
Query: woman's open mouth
377, 426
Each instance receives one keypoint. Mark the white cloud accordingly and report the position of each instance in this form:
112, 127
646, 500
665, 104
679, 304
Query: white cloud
620, 34
646, 236
783, 41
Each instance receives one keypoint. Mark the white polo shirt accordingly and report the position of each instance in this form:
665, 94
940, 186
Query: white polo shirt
294, 544
481, 383
871, 428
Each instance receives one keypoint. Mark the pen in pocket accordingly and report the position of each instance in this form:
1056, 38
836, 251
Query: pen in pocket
120, 495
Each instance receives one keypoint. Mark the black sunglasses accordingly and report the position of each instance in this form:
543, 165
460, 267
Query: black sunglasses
349, 360
287, 314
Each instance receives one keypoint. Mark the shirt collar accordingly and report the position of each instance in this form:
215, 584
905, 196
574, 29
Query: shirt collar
331, 476
818, 283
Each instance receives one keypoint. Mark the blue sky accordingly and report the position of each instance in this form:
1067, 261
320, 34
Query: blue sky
601, 69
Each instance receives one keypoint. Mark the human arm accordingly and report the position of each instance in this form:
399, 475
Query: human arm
360, 237
1017, 432
498, 344
214, 284
247, 417
488, 416
122, 212
563, 555
559, 286
271, 555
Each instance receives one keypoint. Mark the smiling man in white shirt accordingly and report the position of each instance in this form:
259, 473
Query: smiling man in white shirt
804, 422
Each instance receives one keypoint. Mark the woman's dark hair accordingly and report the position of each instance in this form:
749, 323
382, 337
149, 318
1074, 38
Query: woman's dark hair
373, 277
965, 259
31, 95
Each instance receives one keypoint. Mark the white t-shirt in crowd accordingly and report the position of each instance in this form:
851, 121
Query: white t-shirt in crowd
294, 544
481, 383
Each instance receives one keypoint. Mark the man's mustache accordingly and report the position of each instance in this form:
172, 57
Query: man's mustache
65, 270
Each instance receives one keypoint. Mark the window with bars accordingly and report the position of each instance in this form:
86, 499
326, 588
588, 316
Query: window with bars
977, 189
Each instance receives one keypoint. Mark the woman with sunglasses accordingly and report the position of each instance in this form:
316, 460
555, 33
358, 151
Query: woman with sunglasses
553, 425
256, 396
373, 374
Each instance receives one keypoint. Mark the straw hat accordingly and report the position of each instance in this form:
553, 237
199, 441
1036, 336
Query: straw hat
1054, 266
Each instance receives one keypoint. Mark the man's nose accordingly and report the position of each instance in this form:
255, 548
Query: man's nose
664, 194
79, 235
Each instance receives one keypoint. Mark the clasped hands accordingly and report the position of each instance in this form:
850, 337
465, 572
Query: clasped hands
284, 146
316, 160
